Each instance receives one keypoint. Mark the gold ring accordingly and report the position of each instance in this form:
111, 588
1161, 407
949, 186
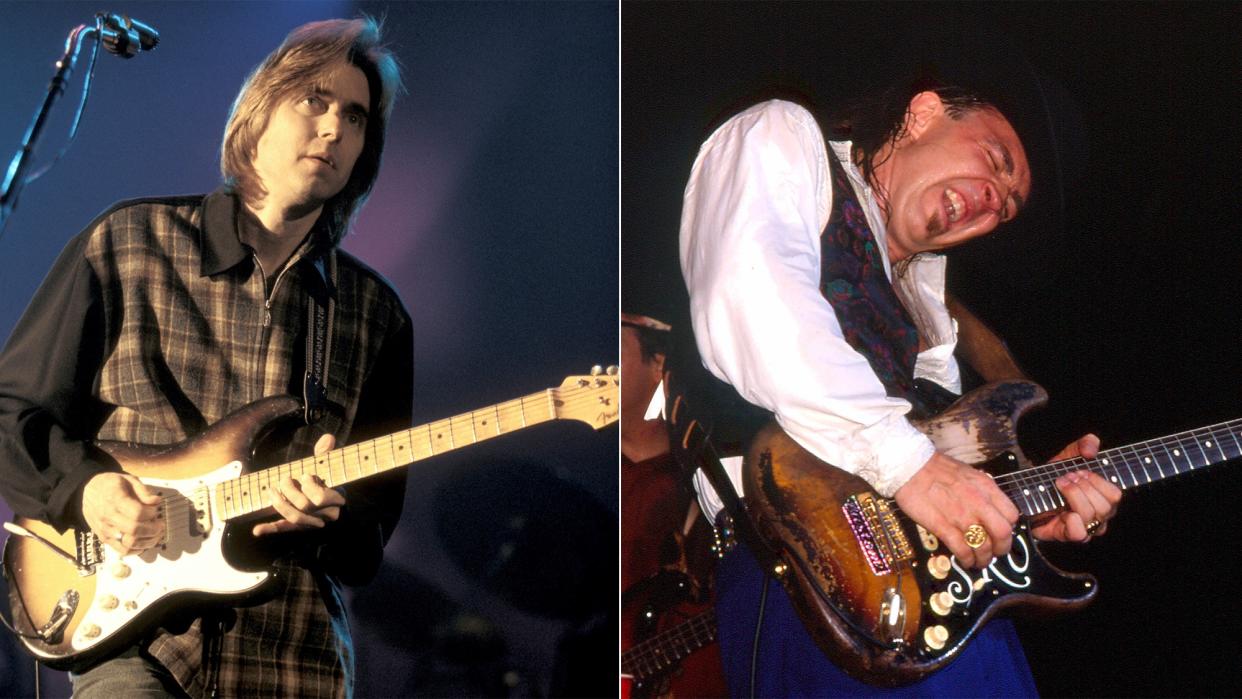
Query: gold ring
975, 535
1092, 526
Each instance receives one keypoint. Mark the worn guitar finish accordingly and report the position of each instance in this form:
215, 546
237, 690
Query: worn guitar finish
75, 600
879, 594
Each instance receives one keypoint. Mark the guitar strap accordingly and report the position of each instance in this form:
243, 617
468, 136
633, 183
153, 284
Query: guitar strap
320, 313
690, 433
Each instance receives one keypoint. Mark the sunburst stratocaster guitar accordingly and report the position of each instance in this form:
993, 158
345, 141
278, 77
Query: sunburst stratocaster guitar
75, 600
879, 594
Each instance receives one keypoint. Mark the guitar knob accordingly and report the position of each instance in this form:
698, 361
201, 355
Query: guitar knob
120, 570
941, 603
939, 566
91, 631
930, 542
935, 636
108, 602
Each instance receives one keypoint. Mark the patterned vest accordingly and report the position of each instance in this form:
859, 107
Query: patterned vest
872, 318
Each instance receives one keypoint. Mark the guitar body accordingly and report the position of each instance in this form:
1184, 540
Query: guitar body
880, 596
104, 602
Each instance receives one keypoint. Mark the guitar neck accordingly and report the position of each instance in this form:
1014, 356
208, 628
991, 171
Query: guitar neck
663, 651
1034, 491
249, 493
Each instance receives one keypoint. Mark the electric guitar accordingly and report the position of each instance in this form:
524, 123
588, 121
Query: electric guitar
879, 594
652, 650
75, 600
646, 666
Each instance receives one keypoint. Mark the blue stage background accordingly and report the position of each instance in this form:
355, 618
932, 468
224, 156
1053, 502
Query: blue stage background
495, 216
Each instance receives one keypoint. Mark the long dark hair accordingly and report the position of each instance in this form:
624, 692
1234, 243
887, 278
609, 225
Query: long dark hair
871, 122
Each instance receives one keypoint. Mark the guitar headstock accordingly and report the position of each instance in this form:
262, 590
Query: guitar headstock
593, 399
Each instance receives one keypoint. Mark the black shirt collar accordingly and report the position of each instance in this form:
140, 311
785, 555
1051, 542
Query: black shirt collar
221, 239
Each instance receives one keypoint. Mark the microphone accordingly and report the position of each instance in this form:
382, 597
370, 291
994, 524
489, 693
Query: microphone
124, 36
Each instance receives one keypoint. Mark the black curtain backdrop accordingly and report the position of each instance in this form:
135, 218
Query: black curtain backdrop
1122, 300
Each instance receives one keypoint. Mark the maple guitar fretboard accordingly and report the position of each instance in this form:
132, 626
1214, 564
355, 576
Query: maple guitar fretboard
582, 398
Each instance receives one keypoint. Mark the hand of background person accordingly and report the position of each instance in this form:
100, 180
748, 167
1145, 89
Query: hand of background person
305, 503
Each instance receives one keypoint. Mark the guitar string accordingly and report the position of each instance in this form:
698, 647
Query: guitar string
1130, 457
698, 632
574, 400
1126, 455
698, 629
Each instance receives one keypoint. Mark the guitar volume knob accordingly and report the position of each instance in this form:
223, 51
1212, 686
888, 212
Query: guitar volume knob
939, 566
120, 570
935, 636
108, 602
941, 603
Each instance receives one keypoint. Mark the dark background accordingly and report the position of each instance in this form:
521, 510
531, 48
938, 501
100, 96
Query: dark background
494, 216
1121, 300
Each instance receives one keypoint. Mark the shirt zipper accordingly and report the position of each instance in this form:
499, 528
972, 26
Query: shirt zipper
264, 333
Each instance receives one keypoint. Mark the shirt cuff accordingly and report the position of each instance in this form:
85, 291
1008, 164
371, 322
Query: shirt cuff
898, 451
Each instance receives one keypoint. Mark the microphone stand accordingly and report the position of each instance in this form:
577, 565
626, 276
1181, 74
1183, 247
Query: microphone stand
15, 178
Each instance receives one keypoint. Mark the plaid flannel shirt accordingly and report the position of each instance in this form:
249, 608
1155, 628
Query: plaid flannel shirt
155, 323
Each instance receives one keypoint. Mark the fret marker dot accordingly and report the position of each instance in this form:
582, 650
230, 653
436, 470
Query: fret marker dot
1208, 444
1177, 452
1104, 461
1041, 488
1113, 479
1026, 491
1147, 459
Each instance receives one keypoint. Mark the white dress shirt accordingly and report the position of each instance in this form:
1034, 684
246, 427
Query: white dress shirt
759, 196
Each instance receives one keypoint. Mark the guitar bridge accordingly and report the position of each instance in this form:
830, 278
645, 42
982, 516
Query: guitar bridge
880, 537
90, 552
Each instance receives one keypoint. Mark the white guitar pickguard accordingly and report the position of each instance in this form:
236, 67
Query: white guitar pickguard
191, 560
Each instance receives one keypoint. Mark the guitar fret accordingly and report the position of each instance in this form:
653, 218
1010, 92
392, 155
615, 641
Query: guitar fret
1219, 447
1129, 464
1207, 460
249, 492
1187, 445
1156, 462
1115, 471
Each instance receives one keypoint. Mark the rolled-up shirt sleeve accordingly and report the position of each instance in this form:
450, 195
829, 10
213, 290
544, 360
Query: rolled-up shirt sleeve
758, 197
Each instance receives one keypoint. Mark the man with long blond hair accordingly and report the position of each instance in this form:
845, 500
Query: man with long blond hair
166, 314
